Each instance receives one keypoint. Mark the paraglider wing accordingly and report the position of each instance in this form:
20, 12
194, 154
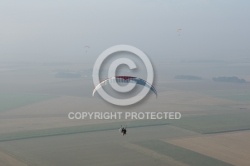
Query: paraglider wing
99, 86
127, 79
86, 48
179, 31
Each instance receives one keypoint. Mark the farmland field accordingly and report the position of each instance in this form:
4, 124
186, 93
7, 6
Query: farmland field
35, 128
180, 154
228, 147
216, 123
12, 101
125, 83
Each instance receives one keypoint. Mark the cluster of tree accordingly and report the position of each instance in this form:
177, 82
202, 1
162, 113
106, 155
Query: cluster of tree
187, 77
233, 79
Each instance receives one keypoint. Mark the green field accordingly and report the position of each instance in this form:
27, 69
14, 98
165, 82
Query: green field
237, 97
205, 124
78, 129
180, 154
240, 95
215, 123
12, 101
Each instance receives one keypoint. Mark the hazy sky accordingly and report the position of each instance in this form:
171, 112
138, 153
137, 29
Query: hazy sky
59, 30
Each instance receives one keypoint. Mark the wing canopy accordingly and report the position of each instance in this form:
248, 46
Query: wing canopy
125, 79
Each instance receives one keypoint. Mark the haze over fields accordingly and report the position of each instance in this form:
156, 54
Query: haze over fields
200, 54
